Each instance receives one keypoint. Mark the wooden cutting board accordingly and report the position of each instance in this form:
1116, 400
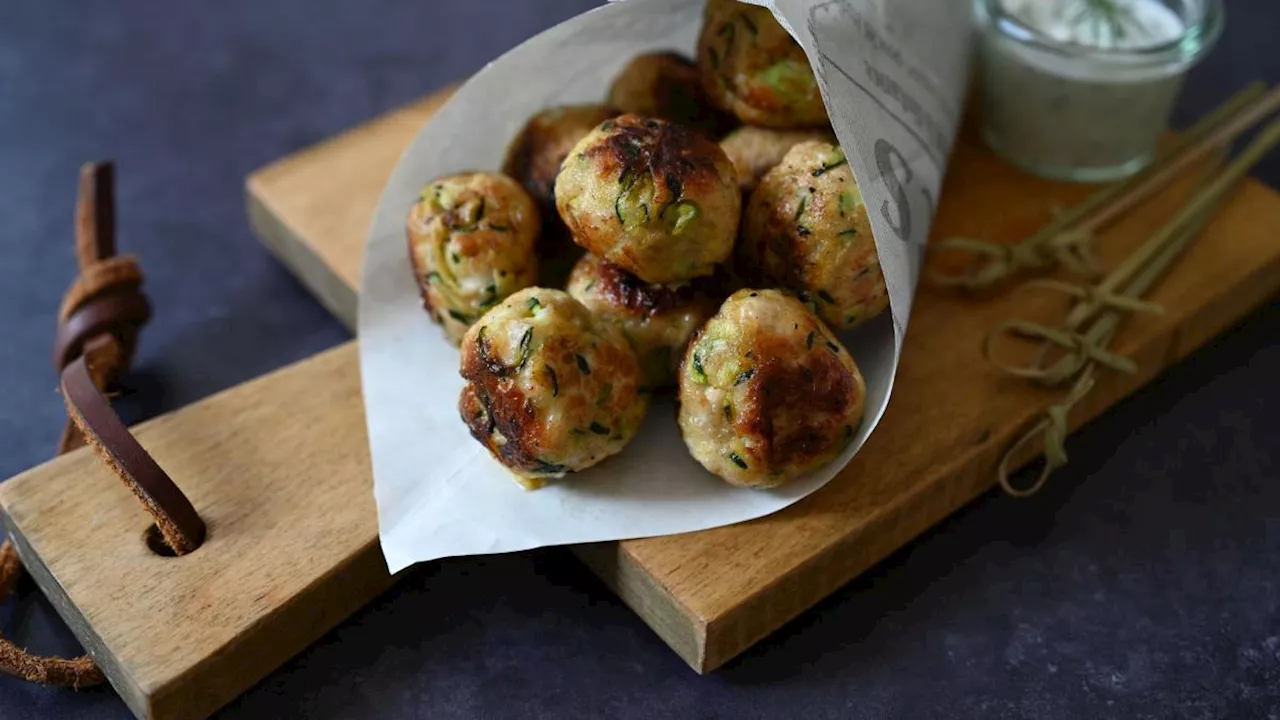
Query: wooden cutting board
279, 467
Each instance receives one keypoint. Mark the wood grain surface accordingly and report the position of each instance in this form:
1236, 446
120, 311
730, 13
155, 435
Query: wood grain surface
279, 467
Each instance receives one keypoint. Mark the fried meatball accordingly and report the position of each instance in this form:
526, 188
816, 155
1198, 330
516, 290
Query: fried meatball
806, 229
755, 151
667, 85
550, 389
657, 320
534, 158
654, 197
471, 241
767, 393
751, 67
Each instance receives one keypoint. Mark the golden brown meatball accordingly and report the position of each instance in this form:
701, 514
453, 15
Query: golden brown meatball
667, 86
534, 158
471, 241
657, 320
754, 69
806, 229
755, 151
550, 389
767, 393
656, 198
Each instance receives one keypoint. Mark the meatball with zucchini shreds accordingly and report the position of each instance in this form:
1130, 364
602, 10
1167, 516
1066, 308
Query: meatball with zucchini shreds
767, 392
657, 320
755, 151
753, 68
653, 197
806, 229
550, 389
533, 159
471, 241
667, 86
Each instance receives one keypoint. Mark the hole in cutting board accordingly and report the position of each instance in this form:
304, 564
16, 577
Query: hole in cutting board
155, 542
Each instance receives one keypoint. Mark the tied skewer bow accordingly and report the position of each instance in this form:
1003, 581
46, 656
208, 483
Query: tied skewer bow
1090, 325
1068, 239
98, 326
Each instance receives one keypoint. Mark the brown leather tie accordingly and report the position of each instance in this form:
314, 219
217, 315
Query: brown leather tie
98, 326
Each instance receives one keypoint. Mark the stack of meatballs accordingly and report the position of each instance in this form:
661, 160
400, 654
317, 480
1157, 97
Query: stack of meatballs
710, 237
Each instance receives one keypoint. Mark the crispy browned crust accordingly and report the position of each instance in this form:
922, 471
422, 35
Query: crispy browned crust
796, 411
662, 166
668, 85
492, 404
675, 156
533, 159
627, 292
776, 238
535, 155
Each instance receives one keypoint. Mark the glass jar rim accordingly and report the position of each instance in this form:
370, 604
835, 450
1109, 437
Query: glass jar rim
1196, 38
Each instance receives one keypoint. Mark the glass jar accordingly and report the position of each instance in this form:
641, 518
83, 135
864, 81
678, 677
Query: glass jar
1086, 102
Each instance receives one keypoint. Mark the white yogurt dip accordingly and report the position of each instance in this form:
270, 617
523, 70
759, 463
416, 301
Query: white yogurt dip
1082, 89
1135, 24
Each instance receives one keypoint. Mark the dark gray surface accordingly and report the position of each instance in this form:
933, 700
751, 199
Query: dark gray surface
1144, 582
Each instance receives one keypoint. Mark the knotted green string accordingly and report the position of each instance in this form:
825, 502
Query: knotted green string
995, 261
1080, 346
1053, 428
1104, 304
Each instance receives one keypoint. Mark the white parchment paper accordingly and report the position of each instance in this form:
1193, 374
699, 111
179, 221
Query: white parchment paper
892, 73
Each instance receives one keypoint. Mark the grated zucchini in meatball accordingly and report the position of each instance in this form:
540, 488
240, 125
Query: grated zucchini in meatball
767, 392
655, 198
657, 320
667, 86
806, 229
753, 68
471, 241
534, 158
549, 389
755, 151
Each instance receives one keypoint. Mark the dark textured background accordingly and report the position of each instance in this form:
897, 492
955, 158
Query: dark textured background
1144, 582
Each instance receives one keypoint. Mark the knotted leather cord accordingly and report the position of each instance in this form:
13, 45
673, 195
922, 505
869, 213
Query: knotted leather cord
1119, 292
1068, 240
99, 321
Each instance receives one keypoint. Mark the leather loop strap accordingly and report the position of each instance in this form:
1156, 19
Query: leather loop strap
179, 524
99, 321
118, 313
98, 277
